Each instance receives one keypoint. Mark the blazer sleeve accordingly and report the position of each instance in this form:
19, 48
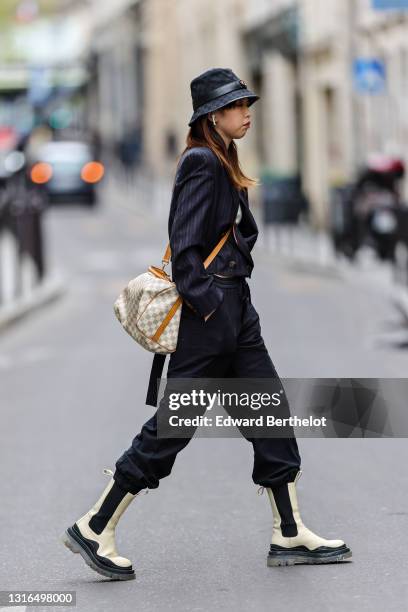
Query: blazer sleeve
196, 180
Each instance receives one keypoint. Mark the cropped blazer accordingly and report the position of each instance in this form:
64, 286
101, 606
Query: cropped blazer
204, 205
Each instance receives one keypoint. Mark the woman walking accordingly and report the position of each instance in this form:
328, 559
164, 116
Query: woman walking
219, 334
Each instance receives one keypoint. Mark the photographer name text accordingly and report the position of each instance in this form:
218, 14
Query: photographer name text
260, 421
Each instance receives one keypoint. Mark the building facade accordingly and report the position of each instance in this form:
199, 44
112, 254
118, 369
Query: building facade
297, 54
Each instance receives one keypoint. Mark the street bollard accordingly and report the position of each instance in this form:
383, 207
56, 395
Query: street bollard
22, 262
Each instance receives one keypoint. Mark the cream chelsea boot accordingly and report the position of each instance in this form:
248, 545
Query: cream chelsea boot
93, 535
292, 542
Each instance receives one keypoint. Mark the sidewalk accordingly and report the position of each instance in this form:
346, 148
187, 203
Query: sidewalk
20, 290
50, 289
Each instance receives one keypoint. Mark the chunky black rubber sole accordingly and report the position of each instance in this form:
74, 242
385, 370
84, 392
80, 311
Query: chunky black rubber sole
76, 543
279, 555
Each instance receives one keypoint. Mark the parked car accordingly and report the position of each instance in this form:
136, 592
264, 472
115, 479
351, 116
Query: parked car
68, 171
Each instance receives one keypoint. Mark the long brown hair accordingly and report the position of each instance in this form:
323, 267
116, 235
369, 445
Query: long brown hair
203, 134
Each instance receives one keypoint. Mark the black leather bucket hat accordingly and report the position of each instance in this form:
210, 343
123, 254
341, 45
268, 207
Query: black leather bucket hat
216, 88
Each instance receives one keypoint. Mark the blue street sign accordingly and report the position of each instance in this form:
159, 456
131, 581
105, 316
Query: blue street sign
369, 75
389, 4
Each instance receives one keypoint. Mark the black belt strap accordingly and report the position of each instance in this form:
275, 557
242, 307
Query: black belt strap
155, 373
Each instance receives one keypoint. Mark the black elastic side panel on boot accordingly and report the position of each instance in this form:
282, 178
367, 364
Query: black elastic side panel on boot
99, 521
282, 499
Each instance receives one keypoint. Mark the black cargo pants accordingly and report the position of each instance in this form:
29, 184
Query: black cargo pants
228, 344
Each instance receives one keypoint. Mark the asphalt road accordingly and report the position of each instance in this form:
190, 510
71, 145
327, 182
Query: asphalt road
72, 397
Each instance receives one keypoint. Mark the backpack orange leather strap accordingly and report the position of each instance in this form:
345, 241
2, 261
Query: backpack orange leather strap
167, 319
179, 300
208, 260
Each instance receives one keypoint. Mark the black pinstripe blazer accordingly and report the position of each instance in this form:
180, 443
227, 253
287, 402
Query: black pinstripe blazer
203, 206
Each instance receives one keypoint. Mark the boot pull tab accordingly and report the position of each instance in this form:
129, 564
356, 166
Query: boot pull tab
110, 473
298, 475
260, 490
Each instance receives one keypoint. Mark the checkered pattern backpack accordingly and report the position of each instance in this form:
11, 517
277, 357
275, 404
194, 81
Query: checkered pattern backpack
149, 307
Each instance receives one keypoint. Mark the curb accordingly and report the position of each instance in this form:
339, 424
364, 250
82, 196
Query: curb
46, 292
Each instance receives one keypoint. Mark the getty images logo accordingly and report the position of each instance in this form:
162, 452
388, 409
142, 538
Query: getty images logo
202, 398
